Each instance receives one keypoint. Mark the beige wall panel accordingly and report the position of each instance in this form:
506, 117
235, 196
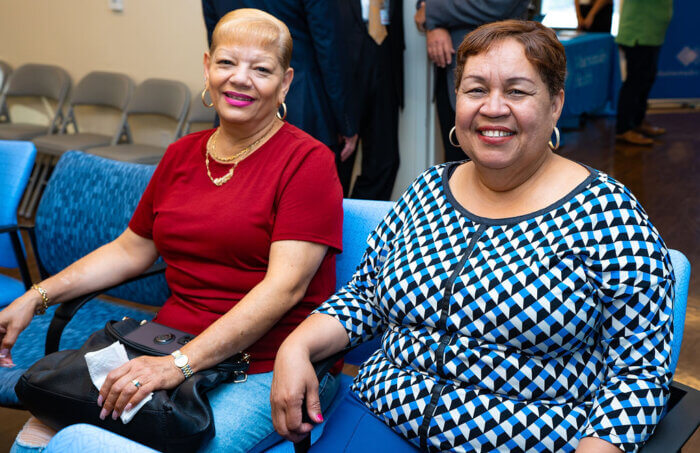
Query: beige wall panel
150, 38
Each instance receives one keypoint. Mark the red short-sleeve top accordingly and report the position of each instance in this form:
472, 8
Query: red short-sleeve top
216, 240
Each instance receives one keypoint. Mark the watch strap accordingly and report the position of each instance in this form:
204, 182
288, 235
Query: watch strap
186, 369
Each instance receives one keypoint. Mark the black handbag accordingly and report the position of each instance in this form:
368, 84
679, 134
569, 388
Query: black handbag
58, 391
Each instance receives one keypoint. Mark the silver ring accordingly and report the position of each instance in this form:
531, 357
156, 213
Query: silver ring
136, 383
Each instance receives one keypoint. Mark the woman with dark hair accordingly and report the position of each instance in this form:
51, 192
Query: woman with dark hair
523, 299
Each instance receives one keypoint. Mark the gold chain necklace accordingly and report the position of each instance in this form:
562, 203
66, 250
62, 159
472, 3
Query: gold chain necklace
211, 147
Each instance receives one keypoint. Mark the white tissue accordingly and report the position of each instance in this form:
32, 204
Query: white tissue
101, 362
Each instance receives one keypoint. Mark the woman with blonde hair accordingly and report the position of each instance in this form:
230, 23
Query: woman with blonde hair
248, 218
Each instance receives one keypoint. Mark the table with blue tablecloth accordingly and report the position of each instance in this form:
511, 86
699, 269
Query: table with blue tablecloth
592, 75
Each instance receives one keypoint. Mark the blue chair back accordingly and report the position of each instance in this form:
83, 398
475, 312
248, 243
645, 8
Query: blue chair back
360, 218
681, 268
88, 202
17, 160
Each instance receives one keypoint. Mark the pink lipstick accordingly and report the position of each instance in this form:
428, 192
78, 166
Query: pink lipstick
238, 99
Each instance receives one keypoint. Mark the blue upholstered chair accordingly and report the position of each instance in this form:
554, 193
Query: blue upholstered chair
17, 159
88, 202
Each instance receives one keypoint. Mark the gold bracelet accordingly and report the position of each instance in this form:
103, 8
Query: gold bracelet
40, 310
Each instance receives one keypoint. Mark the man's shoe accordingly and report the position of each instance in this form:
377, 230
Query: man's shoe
634, 138
650, 130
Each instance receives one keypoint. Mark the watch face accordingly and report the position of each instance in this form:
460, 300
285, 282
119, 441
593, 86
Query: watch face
181, 361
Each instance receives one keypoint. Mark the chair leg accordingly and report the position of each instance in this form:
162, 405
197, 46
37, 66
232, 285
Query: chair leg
31, 185
41, 183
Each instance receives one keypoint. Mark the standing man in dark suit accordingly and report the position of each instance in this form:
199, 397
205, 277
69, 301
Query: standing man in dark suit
445, 23
373, 30
317, 99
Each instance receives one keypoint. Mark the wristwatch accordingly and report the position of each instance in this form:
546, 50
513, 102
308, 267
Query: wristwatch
182, 362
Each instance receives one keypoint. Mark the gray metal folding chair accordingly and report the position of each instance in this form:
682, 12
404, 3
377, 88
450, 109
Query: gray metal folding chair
164, 99
97, 90
200, 117
37, 81
5, 71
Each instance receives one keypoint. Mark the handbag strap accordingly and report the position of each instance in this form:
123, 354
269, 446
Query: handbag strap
233, 368
63, 314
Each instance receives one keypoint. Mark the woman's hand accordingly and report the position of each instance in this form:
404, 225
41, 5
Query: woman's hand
439, 43
119, 392
13, 320
293, 379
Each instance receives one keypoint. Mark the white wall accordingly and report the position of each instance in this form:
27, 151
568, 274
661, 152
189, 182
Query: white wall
151, 38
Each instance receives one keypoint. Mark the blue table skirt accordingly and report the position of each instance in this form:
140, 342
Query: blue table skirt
592, 75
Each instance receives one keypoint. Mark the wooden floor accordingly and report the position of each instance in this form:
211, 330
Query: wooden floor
665, 178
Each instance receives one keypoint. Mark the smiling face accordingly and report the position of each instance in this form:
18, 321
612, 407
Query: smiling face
504, 111
246, 82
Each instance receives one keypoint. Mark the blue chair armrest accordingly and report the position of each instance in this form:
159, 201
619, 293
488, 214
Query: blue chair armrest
13, 231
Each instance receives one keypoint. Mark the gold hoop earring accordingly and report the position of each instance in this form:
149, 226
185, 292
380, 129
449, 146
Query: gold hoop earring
204, 92
284, 110
449, 136
551, 145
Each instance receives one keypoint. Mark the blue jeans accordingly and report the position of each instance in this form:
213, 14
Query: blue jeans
242, 414
22, 448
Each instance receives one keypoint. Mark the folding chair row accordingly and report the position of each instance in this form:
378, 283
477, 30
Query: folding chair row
106, 116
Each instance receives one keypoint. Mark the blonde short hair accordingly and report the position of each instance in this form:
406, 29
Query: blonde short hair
252, 26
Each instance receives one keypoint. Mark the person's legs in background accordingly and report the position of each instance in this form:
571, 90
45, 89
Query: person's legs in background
378, 127
646, 83
632, 102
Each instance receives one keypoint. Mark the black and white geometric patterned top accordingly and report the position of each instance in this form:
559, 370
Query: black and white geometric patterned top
515, 334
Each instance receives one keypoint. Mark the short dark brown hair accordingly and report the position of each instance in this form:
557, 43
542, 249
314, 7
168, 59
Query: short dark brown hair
542, 49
